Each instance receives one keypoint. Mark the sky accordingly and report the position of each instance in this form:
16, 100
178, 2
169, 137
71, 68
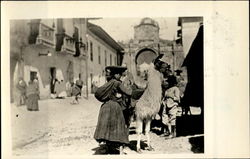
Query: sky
122, 29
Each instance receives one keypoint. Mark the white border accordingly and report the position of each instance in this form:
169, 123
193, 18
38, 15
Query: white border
226, 63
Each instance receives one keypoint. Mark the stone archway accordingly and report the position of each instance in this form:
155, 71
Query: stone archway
145, 55
142, 60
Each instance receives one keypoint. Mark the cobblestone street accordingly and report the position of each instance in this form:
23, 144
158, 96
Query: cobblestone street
60, 128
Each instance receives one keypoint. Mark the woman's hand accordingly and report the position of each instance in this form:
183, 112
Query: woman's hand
118, 95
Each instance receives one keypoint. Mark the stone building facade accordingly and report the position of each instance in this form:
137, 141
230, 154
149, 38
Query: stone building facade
147, 45
49, 49
56, 49
103, 51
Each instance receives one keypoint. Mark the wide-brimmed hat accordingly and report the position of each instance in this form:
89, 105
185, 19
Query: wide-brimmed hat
172, 80
116, 69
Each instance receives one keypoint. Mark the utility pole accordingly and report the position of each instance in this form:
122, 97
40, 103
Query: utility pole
173, 53
87, 58
87, 52
87, 73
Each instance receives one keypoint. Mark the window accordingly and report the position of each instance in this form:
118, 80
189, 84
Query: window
105, 52
110, 59
91, 82
91, 51
115, 61
33, 75
91, 78
99, 54
76, 38
76, 34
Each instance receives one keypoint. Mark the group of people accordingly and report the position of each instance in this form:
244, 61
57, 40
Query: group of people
28, 94
173, 86
118, 96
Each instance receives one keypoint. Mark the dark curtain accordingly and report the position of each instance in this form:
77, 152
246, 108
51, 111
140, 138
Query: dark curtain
194, 93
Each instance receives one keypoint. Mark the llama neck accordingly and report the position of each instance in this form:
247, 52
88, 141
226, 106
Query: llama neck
154, 82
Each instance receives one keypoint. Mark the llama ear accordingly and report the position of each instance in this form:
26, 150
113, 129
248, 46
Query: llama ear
157, 58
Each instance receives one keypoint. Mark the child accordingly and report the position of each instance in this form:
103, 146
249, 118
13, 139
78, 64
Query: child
170, 106
76, 92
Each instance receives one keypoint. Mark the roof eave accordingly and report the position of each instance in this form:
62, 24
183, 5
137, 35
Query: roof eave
102, 34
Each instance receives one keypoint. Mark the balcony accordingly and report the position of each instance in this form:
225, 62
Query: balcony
68, 44
81, 48
41, 34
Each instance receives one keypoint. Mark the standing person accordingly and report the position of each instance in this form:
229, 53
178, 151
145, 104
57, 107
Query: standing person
21, 92
32, 95
57, 86
171, 101
111, 127
53, 87
68, 89
37, 86
180, 81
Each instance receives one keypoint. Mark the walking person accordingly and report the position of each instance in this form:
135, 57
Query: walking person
111, 127
32, 94
170, 102
76, 91
79, 83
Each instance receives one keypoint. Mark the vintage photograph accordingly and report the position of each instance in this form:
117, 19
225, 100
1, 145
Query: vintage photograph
107, 86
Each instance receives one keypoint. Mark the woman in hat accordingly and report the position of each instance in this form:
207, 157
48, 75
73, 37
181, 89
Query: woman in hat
32, 94
111, 127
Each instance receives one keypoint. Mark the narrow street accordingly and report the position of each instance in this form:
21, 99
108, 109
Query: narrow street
60, 128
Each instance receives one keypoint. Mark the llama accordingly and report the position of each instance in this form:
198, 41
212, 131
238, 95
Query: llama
148, 105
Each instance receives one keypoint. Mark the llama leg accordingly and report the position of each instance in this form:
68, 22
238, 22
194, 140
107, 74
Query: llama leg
147, 130
121, 150
139, 133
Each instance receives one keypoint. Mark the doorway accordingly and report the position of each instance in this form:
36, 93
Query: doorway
53, 80
33, 75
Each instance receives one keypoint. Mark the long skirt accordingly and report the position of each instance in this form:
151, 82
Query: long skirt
169, 115
32, 102
111, 125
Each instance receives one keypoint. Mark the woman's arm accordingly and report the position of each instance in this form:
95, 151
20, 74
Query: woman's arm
124, 89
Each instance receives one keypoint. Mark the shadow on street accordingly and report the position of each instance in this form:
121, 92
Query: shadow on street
189, 125
197, 144
133, 143
102, 150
